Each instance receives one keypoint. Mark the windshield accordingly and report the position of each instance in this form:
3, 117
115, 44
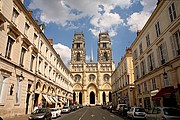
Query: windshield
139, 110
65, 107
171, 112
53, 109
39, 111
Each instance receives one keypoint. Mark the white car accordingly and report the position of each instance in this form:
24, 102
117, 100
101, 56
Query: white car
55, 112
136, 112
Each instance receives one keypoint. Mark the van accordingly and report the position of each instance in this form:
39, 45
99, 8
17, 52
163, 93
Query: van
119, 106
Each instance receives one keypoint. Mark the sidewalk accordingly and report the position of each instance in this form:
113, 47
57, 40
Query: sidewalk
20, 117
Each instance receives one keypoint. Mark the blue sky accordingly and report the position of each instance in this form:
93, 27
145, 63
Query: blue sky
121, 18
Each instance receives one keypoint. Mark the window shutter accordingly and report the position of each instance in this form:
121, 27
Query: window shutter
173, 46
158, 56
165, 52
153, 64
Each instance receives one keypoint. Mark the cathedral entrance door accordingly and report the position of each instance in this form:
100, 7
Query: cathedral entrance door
92, 98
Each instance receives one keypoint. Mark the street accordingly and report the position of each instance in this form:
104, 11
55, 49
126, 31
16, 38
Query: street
91, 113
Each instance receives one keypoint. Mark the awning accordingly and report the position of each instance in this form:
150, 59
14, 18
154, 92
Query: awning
47, 99
51, 99
162, 92
55, 99
174, 90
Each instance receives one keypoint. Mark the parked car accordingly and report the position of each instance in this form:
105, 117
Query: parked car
72, 108
123, 110
80, 106
119, 106
41, 114
55, 112
136, 113
65, 109
163, 113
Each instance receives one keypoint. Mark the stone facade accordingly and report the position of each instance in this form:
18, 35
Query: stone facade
92, 80
156, 57
31, 72
123, 81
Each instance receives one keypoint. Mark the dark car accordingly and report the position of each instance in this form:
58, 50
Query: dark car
124, 110
41, 114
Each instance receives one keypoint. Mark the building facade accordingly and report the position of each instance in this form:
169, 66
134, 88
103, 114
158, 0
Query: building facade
31, 72
92, 80
123, 81
156, 57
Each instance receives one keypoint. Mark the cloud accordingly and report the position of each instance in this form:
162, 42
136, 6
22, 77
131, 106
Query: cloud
64, 52
63, 12
137, 20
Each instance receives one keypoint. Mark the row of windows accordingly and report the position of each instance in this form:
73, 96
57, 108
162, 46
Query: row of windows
92, 77
172, 15
162, 56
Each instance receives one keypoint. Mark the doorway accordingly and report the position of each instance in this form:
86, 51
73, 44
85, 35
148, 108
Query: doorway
92, 98
104, 98
80, 98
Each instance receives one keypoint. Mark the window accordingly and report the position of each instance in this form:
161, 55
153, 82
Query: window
135, 54
8, 47
172, 12
106, 77
40, 65
157, 29
32, 62
78, 45
26, 28
45, 69
41, 44
105, 56
78, 56
91, 77
77, 78
143, 67
136, 71
35, 37
145, 87
162, 54
148, 40
18, 90
104, 45
165, 79
140, 48
154, 83
175, 43
139, 89
14, 16
23, 50
3, 88
151, 64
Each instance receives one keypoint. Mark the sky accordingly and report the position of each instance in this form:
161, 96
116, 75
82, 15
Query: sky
63, 18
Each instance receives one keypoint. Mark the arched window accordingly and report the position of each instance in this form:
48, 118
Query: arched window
105, 56
77, 78
92, 77
106, 77
78, 56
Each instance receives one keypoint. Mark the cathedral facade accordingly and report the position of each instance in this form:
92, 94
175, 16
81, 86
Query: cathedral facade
92, 80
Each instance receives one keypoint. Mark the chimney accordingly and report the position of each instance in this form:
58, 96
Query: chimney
138, 32
50, 41
36, 21
30, 12
128, 51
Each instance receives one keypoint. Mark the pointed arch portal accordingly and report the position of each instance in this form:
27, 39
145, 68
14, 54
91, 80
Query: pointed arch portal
92, 98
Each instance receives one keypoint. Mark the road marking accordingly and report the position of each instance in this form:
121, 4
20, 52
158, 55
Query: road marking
92, 115
83, 114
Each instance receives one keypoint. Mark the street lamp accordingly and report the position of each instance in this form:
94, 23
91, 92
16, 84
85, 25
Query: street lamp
21, 77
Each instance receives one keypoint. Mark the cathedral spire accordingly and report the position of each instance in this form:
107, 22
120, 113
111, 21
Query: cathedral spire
91, 56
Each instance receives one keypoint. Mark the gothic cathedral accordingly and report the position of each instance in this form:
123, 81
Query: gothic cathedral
92, 80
